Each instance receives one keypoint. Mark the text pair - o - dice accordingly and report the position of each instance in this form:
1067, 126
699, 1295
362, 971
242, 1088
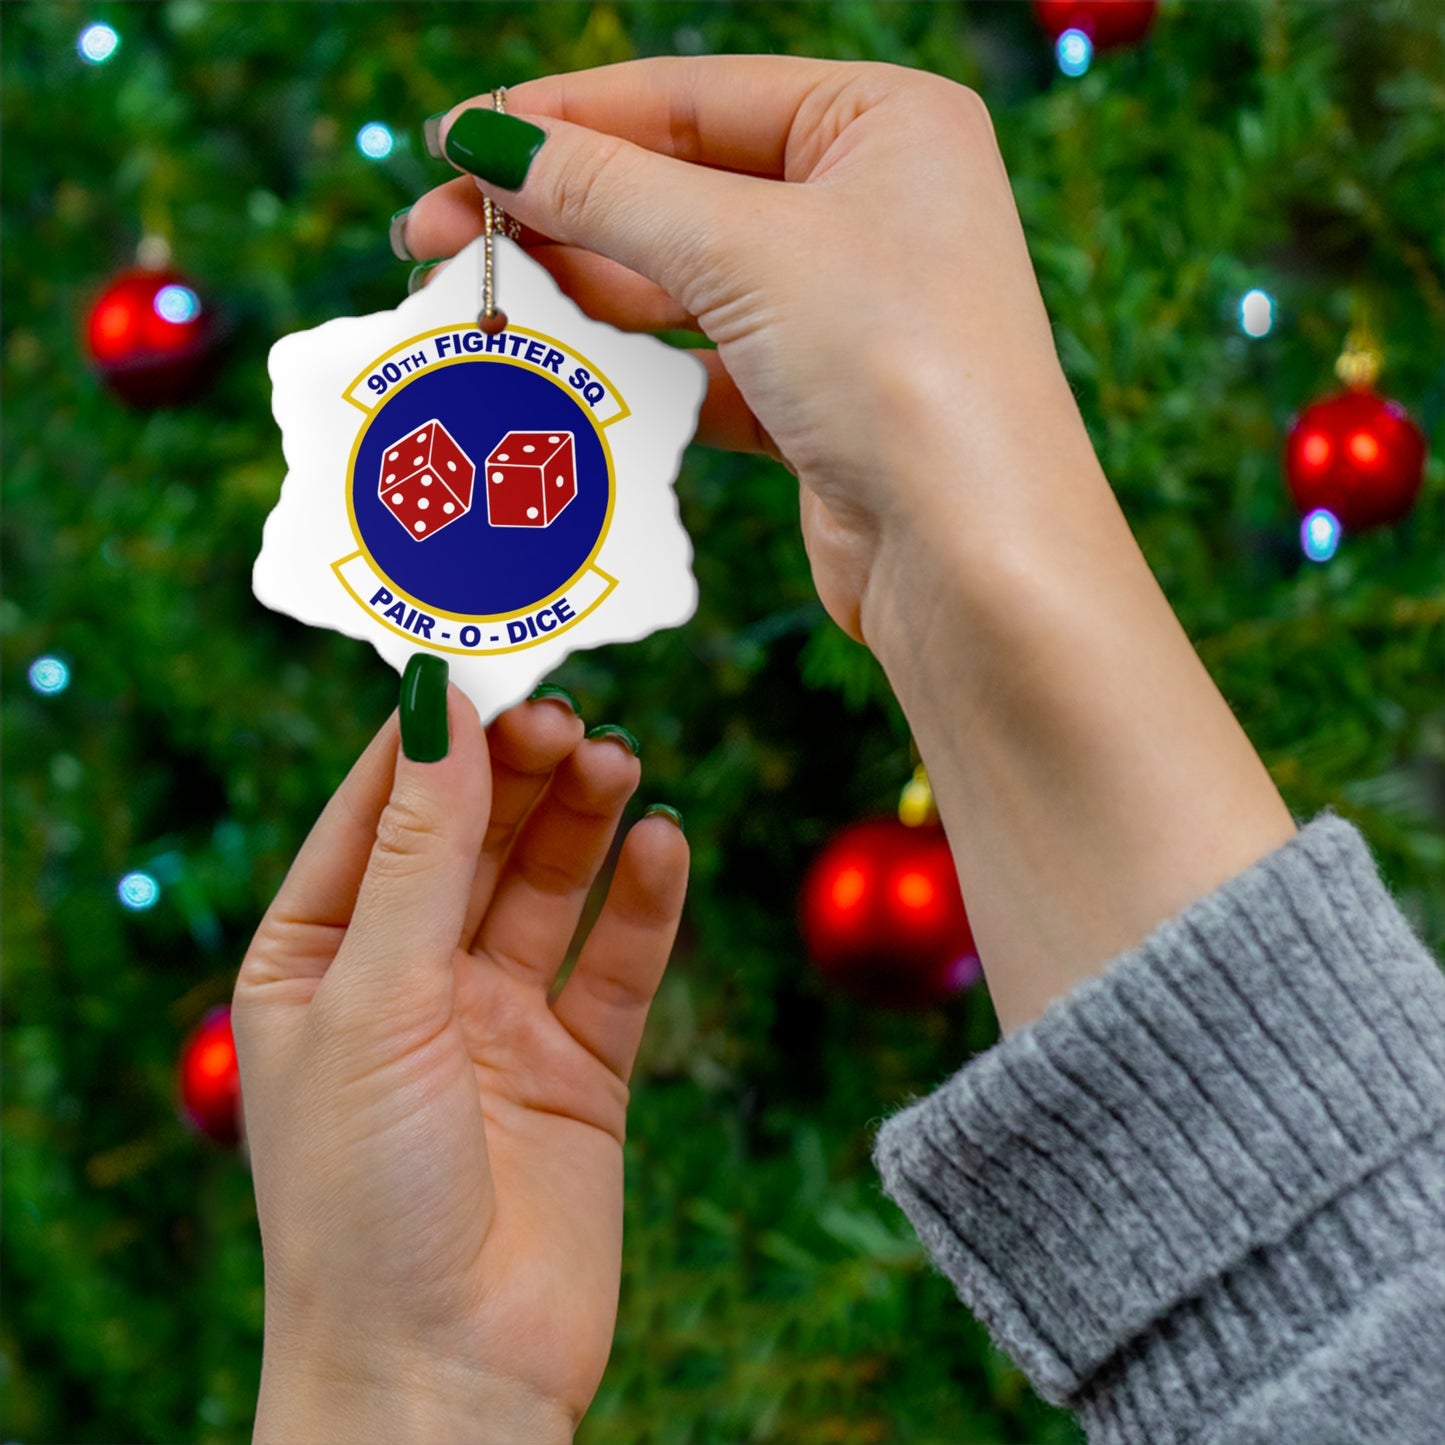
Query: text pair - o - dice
531, 476
426, 480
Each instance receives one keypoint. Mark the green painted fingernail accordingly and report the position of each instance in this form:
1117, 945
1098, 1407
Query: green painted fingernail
663, 810
418, 274
498, 148
614, 730
424, 734
550, 689
431, 134
396, 234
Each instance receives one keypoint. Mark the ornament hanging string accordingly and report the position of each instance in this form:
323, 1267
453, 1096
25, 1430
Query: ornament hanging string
494, 219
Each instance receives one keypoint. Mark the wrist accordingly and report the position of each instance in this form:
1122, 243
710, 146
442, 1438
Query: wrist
984, 533
1092, 780
400, 1398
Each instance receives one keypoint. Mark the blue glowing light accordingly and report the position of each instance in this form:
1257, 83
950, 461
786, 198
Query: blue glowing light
49, 675
1074, 52
1319, 535
375, 140
97, 44
1256, 313
177, 304
138, 891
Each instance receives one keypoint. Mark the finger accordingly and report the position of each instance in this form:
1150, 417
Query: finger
543, 887
526, 744
301, 930
654, 215
448, 218
725, 419
395, 963
735, 112
604, 1002
611, 293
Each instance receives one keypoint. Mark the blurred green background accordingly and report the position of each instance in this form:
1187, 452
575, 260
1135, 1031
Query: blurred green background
770, 1293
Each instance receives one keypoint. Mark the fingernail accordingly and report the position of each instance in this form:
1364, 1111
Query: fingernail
415, 281
431, 133
550, 689
498, 148
614, 730
396, 234
424, 737
662, 810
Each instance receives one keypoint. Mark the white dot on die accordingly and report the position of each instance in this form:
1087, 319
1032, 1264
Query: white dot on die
421, 436
554, 439
423, 504
426, 480
448, 508
397, 498
531, 512
451, 466
496, 476
559, 481
529, 449
421, 526
391, 456
417, 461
503, 456
391, 476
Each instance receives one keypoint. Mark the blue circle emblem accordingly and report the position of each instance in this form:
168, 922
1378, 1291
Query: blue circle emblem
481, 487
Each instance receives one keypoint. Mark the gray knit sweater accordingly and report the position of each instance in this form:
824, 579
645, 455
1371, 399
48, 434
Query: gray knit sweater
1202, 1199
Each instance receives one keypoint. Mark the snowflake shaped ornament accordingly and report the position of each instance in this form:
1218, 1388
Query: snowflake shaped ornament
499, 499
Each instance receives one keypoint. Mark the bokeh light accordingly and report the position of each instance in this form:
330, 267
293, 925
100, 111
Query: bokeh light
97, 43
849, 887
1256, 313
49, 675
1075, 52
1364, 448
375, 141
914, 890
138, 891
1319, 535
177, 304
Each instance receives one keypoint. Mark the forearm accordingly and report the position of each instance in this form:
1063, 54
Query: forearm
1092, 779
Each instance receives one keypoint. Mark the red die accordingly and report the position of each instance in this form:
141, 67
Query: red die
426, 480
531, 476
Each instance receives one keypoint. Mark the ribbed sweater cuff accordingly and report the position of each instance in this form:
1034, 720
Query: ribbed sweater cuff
1197, 1114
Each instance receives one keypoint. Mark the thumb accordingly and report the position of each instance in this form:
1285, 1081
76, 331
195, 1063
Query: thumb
398, 950
664, 218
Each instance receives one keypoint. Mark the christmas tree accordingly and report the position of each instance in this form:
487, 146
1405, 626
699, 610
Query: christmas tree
168, 742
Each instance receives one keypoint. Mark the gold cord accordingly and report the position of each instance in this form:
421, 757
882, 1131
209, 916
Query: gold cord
494, 219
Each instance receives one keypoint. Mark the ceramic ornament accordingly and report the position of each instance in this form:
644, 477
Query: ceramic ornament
500, 499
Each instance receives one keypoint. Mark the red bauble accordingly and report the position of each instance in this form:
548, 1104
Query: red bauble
1357, 455
883, 917
152, 338
210, 1081
1107, 23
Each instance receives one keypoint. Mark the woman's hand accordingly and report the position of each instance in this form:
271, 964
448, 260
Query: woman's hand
437, 1149
877, 320
847, 235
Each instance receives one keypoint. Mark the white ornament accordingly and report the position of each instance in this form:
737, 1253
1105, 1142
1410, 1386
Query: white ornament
575, 541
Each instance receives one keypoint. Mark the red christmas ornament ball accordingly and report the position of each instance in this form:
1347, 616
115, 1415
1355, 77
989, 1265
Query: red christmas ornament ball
152, 338
1358, 455
1107, 23
883, 917
210, 1081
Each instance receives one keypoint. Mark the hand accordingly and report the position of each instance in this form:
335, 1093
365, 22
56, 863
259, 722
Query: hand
847, 235
437, 1150
885, 289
